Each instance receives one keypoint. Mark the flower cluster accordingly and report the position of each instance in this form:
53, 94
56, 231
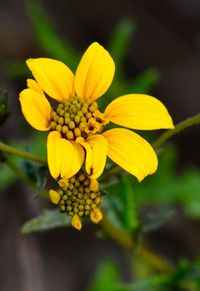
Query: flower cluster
77, 126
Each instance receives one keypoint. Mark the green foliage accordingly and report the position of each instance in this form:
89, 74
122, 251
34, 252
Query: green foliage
153, 222
167, 188
41, 175
106, 278
3, 106
120, 41
47, 38
130, 215
187, 275
36, 145
145, 81
49, 219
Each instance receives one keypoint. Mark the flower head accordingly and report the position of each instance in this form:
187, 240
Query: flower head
78, 196
77, 126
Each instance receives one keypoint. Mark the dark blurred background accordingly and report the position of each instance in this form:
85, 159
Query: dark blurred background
167, 37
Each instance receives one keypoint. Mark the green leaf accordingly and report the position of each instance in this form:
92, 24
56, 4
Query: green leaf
153, 283
41, 175
106, 277
3, 106
29, 168
49, 219
155, 222
127, 195
144, 82
48, 38
120, 41
187, 275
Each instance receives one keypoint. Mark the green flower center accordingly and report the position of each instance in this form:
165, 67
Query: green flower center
76, 117
80, 195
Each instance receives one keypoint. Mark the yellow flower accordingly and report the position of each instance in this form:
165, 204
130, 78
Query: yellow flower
76, 125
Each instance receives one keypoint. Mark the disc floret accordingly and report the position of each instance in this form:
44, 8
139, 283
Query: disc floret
76, 117
79, 197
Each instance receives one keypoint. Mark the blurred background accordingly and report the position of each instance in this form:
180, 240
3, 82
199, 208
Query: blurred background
161, 57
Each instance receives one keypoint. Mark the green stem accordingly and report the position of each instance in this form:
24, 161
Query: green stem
126, 241
195, 120
20, 153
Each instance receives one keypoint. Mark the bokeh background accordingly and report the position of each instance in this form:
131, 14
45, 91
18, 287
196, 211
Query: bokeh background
166, 39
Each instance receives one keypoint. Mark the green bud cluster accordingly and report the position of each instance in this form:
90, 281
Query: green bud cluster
71, 115
77, 197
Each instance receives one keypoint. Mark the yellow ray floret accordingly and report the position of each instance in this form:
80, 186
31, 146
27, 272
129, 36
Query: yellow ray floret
131, 152
138, 111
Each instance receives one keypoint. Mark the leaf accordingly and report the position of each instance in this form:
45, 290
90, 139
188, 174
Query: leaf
49, 219
155, 282
187, 275
29, 168
3, 106
106, 277
155, 222
127, 195
48, 38
120, 41
41, 175
145, 82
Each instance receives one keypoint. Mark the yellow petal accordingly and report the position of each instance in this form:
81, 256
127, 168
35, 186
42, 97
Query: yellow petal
95, 72
59, 154
67, 155
76, 222
96, 152
88, 150
138, 111
54, 77
32, 84
95, 166
54, 153
36, 109
131, 152
54, 196
76, 161
96, 215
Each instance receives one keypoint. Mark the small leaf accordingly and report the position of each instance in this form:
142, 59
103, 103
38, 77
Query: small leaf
29, 168
41, 175
144, 82
155, 222
48, 38
120, 41
129, 215
49, 219
3, 106
106, 277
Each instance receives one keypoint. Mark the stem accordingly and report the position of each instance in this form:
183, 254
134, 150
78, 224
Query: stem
126, 241
195, 120
23, 154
